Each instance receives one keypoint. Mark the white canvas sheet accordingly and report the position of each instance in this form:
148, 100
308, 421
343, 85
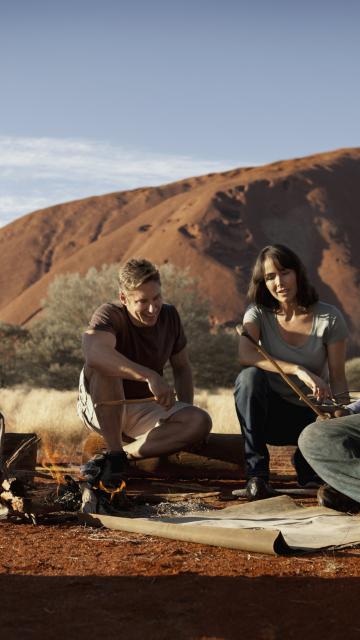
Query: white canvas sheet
273, 526
305, 528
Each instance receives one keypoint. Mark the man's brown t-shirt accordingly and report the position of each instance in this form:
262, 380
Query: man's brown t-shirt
149, 346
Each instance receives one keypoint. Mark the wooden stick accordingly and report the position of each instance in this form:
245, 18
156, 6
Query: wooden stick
2, 432
3, 470
242, 332
123, 401
21, 450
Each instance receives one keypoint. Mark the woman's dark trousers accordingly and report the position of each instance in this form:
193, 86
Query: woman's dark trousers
266, 418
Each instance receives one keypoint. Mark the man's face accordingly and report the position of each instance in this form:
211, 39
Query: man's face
144, 303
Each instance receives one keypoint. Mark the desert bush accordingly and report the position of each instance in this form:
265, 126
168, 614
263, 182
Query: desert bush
12, 342
212, 354
51, 355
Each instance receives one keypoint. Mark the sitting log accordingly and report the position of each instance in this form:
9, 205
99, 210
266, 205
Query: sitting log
221, 457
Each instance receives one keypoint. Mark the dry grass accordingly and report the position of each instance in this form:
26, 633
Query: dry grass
52, 414
49, 413
219, 404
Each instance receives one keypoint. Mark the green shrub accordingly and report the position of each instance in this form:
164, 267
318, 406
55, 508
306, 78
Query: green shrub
12, 342
51, 355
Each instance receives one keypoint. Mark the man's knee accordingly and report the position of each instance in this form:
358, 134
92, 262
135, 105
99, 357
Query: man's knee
103, 387
198, 423
313, 438
204, 422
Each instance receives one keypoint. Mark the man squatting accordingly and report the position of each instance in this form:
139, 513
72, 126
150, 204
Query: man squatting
332, 448
126, 347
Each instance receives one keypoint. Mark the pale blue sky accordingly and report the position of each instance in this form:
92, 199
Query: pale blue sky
98, 96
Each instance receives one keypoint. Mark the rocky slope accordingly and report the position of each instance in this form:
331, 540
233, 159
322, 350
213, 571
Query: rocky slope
214, 224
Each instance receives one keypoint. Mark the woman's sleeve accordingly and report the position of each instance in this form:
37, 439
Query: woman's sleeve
337, 329
253, 314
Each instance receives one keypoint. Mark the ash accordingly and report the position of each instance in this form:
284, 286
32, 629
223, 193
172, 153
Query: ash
171, 509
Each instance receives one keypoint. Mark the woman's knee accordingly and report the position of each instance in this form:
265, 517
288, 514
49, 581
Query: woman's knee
250, 380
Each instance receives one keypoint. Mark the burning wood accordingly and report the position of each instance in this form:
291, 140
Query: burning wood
26, 503
19, 498
64, 496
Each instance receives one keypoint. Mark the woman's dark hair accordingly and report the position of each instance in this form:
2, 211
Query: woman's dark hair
284, 257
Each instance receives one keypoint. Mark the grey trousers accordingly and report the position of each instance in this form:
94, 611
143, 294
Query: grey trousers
332, 448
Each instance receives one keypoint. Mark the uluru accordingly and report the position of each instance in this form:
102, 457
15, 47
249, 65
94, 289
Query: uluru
214, 225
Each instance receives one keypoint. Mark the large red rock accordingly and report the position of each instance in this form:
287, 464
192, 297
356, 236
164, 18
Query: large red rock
213, 224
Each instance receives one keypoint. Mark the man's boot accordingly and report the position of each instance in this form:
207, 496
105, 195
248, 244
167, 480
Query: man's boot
332, 499
105, 477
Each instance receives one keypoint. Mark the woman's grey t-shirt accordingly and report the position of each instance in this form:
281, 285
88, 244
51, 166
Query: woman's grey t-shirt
328, 326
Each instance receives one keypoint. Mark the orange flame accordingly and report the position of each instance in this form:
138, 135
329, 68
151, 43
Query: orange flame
112, 492
52, 458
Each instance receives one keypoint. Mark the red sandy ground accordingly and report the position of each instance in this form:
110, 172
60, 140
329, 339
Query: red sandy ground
72, 581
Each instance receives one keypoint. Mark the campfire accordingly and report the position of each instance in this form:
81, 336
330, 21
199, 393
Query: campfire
56, 492
23, 500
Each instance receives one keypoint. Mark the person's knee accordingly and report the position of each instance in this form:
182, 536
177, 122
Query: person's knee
250, 380
198, 424
312, 438
202, 423
103, 387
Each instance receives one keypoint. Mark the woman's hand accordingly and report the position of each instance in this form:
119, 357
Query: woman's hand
318, 386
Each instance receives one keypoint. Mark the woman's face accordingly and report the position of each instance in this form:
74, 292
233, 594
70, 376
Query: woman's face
280, 281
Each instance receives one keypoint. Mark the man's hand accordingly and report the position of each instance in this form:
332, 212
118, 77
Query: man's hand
163, 393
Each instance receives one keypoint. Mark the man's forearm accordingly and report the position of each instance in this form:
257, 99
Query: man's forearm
100, 354
183, 383
111, 363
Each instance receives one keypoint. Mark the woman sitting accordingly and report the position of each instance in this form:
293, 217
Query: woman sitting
307, 339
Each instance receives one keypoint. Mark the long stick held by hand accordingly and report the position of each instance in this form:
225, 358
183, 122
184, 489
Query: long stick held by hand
124, 401
242, 332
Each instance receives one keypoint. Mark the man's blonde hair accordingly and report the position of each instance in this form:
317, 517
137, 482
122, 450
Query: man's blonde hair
135, 272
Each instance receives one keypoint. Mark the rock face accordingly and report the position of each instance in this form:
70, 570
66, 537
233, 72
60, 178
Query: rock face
213, 224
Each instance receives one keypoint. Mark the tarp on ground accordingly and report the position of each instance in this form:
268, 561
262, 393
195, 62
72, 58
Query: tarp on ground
275, 526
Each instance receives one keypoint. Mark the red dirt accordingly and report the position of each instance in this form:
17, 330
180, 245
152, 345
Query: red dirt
79, 582
72, 581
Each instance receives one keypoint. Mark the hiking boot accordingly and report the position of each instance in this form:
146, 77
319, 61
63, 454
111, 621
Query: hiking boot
259, 489
105, 476
313, 482
108, 468
333, 499
114, 470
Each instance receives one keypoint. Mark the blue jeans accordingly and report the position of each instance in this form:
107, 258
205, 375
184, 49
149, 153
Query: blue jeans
265, 418
332, 447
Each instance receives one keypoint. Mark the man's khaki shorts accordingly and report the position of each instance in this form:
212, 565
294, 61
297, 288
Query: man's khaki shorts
138, 419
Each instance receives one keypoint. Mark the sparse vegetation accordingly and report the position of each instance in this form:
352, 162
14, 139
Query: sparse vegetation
49, 353
12, 341
52, 414
48, 412
53, 352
